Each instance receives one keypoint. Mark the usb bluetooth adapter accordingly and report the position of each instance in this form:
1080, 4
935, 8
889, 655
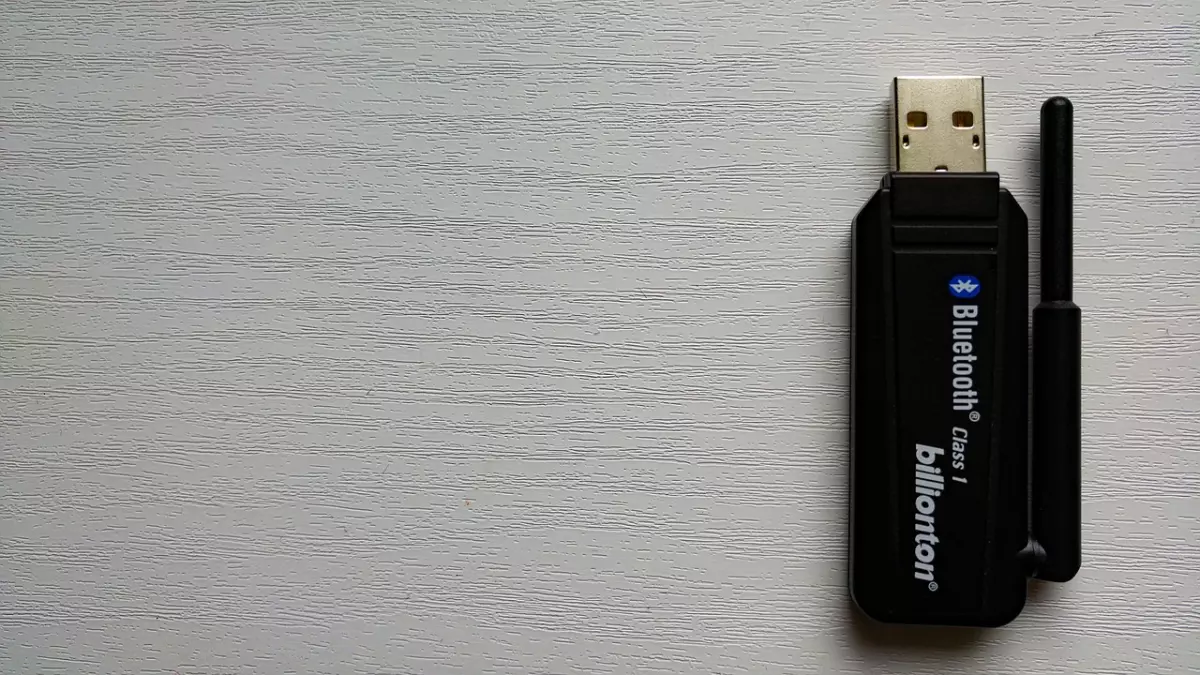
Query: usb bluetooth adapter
951, 509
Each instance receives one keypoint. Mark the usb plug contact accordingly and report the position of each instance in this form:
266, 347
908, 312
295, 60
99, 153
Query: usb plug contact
939, 124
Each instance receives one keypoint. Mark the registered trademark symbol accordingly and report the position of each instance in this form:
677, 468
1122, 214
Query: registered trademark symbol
933, 585
974, 415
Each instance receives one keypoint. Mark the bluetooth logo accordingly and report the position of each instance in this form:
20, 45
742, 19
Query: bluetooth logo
964, 286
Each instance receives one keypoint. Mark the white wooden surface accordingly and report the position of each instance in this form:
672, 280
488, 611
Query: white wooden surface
484, 337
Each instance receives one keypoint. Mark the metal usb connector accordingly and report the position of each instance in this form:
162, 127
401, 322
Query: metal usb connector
939, 124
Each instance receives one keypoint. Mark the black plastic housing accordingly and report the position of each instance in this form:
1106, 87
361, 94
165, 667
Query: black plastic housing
939, 462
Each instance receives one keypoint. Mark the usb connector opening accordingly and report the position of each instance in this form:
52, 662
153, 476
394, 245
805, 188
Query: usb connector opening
939, 124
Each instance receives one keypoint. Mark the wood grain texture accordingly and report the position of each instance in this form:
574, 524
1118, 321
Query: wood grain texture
510, 337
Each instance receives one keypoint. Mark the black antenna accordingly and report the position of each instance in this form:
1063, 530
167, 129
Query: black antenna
1056, 363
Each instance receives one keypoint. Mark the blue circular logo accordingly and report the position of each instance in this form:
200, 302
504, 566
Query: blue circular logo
964, 286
